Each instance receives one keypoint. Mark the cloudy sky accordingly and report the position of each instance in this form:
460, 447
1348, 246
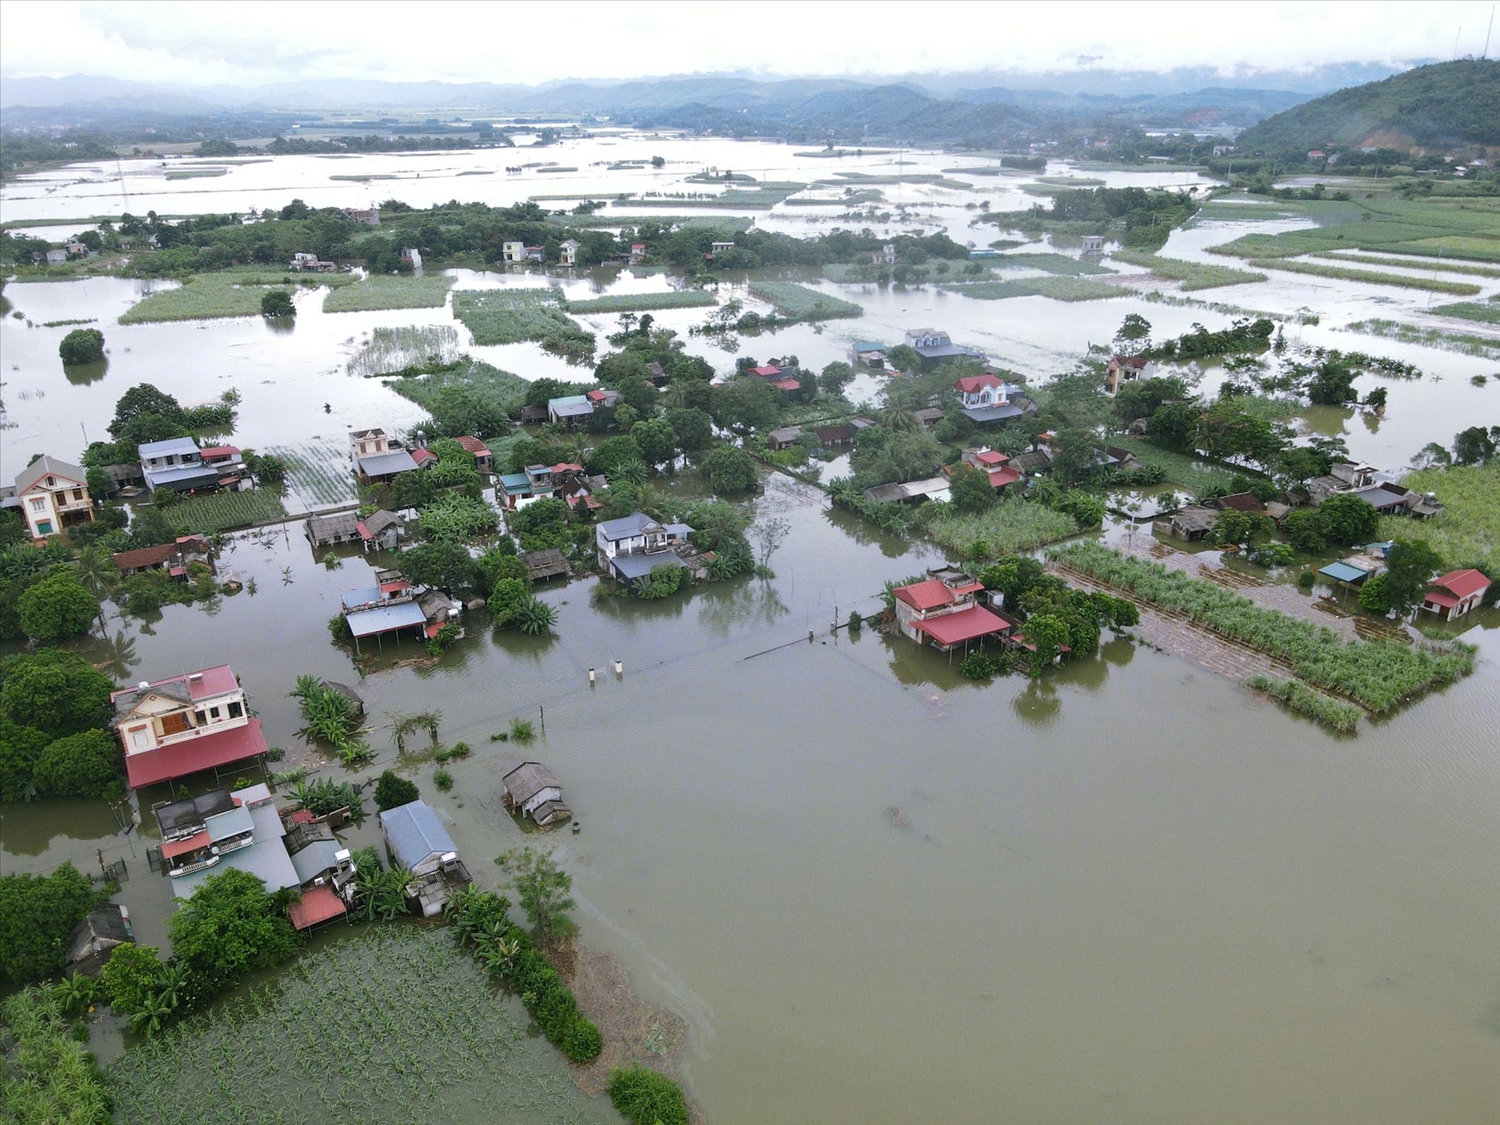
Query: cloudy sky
249, 43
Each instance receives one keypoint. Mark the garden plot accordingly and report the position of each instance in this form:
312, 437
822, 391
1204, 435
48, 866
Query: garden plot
317, 476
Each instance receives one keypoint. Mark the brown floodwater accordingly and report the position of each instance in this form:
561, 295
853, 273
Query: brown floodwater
1129, 891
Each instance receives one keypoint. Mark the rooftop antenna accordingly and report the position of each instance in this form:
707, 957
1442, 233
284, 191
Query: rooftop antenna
1455, 40
1486, 52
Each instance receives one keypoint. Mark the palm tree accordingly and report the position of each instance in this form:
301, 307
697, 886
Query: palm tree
898, 419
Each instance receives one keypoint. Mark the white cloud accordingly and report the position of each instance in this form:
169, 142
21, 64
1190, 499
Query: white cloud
242, 43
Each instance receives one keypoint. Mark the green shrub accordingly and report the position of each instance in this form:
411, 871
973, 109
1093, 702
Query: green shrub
443, 780
581, 1040
645, 1097
392, 791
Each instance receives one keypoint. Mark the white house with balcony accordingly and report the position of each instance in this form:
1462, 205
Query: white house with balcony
632, 545
52, 495
185, 724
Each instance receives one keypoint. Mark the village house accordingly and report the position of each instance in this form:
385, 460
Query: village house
989, 400
942, 610
1456, 593
1353, 571
378, 457
567, 252
484, 460
185, 724
326, 875
784, 438
329, 531
244, 831
830, 437
992, 463
1191, 523
381, 530
910, 492
657, 375
57, 257
103, 930
716, 248
311, 263
389, 606
603, 398
867, 352
531, 790
370, 217
1347, 476
513, 251
1093, 244
928, 416
637, 253
78, 250
172, 557
933, 345
570, 410
631, 546
417, 842
546, 564
1126, 369
52, 495
178, 464
1246, 502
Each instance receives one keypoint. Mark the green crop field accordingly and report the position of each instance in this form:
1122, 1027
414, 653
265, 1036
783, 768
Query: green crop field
509, 316
1467, 533
1412, 263
1007, 527
1193, 275
1059, 264
222, 511
382, 292
211, 296
1190, 473
389, 350
498, 389
391, 1025
1468, 228
803, 303
1370, 277
1057, 288
643, 302
1485, 347
1486, 312
317, 476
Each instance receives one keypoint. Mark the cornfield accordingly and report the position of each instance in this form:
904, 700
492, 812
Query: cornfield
317, 476
222, 511
1298, 697
1007, 527
392, 1026
381, 292
393, 349
1379, 677
1193, 275
803, 303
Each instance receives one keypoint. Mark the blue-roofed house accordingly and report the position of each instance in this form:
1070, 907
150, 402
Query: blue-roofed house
1351, 571
176, 464
377, 458
249, 837
867, 352
933, 345
573, 410
630, 546
386, 607
417, 842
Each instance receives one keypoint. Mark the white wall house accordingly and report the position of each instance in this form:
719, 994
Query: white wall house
52, 495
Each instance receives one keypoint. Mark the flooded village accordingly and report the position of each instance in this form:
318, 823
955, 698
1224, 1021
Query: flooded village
876, 635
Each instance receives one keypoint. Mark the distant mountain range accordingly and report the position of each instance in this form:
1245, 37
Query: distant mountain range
1437, 107
976, 109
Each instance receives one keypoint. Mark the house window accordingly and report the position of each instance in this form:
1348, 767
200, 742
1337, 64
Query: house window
200, 718
39, 504
236, 710
213, 713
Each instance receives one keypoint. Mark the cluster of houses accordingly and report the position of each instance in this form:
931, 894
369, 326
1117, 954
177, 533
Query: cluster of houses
394, 604
567, 253
567, 480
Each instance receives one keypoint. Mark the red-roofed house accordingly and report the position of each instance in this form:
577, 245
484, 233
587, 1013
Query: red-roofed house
767, 371
484, 460
174, 727
1455, 593
788, 386
1125, 369
992, 464
424, 456
603, 397
941, 610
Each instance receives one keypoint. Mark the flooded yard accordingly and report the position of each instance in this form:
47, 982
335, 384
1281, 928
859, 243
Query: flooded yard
874, 891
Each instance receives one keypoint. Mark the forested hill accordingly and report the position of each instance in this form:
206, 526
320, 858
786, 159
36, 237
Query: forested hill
1433, 107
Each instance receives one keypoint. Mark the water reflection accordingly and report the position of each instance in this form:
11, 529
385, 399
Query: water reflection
82, 374
866, 534
740, 601
1039, 704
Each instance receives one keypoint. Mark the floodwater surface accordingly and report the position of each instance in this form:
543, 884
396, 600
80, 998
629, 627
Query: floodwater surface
876, 892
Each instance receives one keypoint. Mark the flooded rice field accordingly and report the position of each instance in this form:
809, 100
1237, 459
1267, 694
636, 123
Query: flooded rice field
873, 890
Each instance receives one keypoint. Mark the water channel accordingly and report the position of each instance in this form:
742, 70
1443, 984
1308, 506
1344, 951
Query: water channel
1130, 891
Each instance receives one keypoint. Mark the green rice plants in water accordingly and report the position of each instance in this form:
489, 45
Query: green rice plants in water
513, 316
378, 292
643, 302
801, 303
390, 350
1298, 697
1482, 346
1370, 277
1193, 275
1007, 527
1055, 288
224, 511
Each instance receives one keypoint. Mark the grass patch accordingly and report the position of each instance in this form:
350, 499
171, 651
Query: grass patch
510, 316
211, 296
1369, 277
1460, 246
196, 173
1297, 696
790, 299
1009, 526
221, 511
1059, 264
1183, 470
393, 1026
1056, 288
1467, 533
1484, 347
1408, 264
643, 302
390, 292
1193, 275
1486, 312
497, 389
1379, 677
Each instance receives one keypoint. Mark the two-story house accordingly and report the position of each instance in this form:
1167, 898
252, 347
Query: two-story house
567, 252
993, 464
989, 400
377, 456
185, 724
1126, 369
513, 251
52, 495
176, 464
942, 610
630, 546
933, 345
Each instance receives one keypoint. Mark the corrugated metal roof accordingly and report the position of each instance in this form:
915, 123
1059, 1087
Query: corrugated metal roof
385, 619
415, 833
